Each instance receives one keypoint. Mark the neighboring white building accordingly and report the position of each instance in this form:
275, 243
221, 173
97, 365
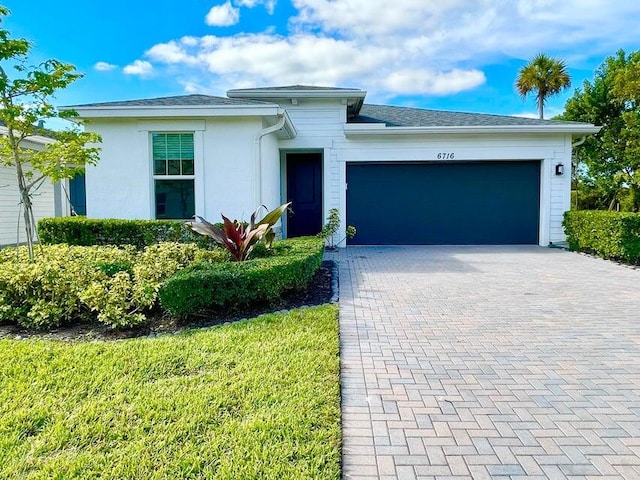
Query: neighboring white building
48, 201
400, 175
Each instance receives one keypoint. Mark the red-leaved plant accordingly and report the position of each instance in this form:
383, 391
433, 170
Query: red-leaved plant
240, 238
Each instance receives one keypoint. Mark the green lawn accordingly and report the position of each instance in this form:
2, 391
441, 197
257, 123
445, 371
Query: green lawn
258, 399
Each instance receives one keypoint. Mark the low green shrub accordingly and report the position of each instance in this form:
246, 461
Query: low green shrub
112, 267
612, 235
110, 231
120, 285
67, 284
46, 293
225, 285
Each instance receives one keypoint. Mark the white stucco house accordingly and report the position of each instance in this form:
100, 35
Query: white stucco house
400, 175
48, 201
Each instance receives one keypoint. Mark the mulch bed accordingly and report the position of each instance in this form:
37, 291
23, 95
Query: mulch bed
318, 292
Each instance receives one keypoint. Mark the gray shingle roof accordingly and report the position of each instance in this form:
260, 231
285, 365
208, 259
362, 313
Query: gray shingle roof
418, 117
39, 131
181, 100
392, 116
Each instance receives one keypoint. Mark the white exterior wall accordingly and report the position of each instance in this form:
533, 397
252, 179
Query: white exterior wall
44, 205
320, 127
48, 201
228, 170
121, 184
270, 168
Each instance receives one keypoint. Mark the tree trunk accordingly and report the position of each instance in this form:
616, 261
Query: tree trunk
541, 108
27, 208
25, 197
635, 197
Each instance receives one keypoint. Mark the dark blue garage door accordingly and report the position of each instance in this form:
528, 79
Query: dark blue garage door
480, 203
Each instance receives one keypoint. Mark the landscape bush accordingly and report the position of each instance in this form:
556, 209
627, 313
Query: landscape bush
611, 235
67, 284
203, 285
110, 231
241, 238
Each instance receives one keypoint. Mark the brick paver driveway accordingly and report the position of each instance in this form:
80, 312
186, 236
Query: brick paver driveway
489, 362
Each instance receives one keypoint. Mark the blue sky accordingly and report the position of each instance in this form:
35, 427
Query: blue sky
446, 54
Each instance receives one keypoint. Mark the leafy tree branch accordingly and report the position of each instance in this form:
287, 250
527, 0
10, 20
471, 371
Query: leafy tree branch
26, 97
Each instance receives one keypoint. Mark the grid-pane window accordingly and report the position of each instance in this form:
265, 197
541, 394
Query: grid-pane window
173, 173
172, 153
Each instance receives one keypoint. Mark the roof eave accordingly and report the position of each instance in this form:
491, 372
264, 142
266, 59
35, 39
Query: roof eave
354, 98
32, 139
354, 129
288, 131
260, 93
174, 111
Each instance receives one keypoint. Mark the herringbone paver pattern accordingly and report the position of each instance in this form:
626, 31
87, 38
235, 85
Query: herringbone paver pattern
488, 363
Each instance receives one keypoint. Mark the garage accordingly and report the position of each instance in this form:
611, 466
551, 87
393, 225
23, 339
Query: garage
454, 203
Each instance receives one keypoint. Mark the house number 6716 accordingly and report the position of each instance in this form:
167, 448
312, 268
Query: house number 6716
446, 156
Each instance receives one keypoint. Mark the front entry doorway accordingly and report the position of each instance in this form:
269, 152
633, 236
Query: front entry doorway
304, 190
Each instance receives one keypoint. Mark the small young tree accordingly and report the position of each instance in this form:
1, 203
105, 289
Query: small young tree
25, 100
332, 226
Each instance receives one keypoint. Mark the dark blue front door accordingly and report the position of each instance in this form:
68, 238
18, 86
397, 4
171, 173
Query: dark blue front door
304, 190
481, 203
77, 194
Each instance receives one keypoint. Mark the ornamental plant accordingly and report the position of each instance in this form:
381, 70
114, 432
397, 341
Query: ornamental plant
332, 226
241, 238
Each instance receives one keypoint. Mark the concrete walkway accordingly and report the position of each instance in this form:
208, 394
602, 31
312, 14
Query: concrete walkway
488, 362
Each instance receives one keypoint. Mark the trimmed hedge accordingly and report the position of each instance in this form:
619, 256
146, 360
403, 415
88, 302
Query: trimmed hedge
238, 284
611, 235
96, 231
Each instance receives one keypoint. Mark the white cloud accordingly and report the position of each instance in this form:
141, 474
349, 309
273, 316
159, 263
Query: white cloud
464, 28
525, 115
189, 40
104, 66
139, 67
433, 83
379, 16
171, 52
223, 15
416, 47
271, 59
191, 88
549, 113
270, 5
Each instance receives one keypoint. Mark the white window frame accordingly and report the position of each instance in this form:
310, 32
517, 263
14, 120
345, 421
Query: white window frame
172, 177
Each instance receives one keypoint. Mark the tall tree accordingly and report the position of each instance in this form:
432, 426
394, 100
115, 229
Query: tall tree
26, 93
612, 156
545, 76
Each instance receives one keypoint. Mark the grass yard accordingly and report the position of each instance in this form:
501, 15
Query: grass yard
257, 399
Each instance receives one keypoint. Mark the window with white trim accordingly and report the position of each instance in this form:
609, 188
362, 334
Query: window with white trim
173, 175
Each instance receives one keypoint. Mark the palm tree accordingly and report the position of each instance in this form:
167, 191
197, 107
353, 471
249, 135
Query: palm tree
544, 75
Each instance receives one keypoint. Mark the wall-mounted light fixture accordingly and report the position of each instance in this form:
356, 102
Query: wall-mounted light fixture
559, 169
